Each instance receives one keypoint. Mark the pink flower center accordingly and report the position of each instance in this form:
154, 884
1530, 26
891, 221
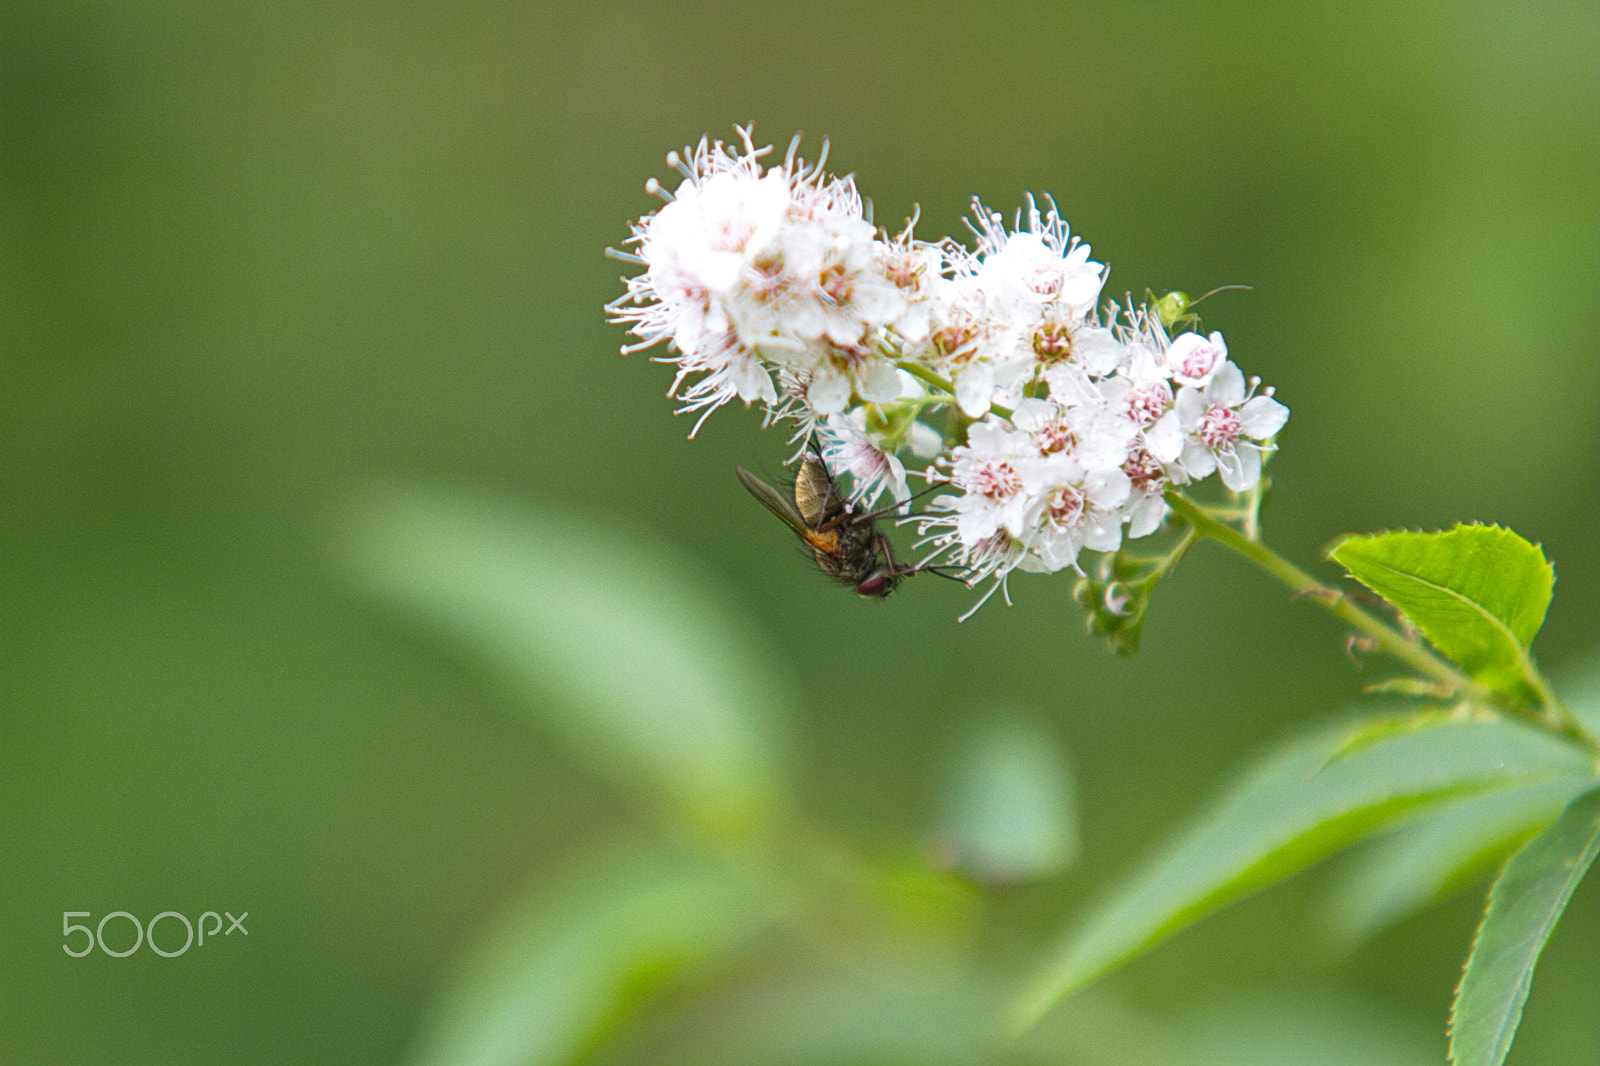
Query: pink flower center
956, 342
1198, 361
905, 270
1056, 437
1219, 428
1145, 472
1046, 281
836, 284
1148, 402
1066, 506
996, 479
1052, 342
730, 233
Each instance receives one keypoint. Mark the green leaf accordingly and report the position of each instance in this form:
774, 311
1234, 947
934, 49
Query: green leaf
609, 641
1524, 906
1009, 805
557, 975
1295, 809
1479, 593
1421, 864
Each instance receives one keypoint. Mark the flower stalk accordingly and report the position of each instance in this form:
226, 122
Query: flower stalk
1552, 716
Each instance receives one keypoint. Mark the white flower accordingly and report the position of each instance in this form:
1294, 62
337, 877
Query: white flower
713, 228
1193, 359
1095, 434
1140, 402
1071, 507
915, 268
1015, 304
818, 276
847, 448
964, 341
698, 251
699, 247
992, 558
988, 470
1147, 480
1074, 359
981, 527
1223, 427
731, 370
1024, 270
771, 285
839, 373
748, 269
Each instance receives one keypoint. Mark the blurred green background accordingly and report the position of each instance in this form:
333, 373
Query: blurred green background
254, 254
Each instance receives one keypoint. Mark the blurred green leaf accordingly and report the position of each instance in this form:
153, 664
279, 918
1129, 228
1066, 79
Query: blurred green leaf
1103, 1028
1421, 864
1524, 906
603, 637
880, 1010
1580, 688
1479, 593
914, 901
554, 978
1388, 726
1009, 801
1295, 809
1424, 863
1302, 1025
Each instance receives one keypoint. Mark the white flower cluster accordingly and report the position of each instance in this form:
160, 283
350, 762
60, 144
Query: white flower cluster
1062, 425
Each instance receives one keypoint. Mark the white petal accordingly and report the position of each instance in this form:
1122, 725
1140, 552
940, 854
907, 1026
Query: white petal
1240, 471
1102, 532
1164, 438
1107, 488
1098, 350
1197, 460
895, 480
1262, 417
976, 525
1031, 415
1190, 407
1055, 552
974, 389
1035, 565
1146, 515
1227, 388
878, 381
829, 391
1014, 514
926, 442
752, 381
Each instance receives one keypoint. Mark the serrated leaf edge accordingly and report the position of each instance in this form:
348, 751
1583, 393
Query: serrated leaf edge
1585, 859
1524, 659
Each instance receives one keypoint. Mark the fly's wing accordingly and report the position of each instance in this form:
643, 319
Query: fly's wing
772, 501
815, 495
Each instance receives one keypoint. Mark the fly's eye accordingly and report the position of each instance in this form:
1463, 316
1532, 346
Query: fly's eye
877, 584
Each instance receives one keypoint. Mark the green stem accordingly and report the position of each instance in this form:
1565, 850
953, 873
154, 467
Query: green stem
1384, 636
945, 385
